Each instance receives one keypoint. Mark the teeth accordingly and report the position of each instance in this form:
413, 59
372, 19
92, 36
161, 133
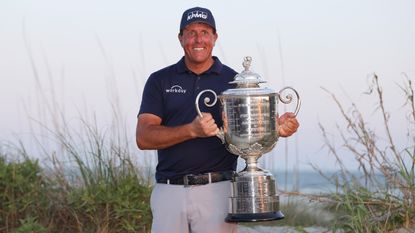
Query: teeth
198, 49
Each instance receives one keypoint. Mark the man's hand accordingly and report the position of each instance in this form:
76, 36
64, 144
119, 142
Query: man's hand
287, 124
204, 126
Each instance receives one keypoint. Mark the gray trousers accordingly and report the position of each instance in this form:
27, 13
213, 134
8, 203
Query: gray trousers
192, 209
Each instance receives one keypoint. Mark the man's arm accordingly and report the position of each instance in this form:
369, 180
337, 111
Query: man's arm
150, 134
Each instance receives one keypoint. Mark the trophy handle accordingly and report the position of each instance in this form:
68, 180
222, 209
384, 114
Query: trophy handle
206, 101
209, 103
288, 98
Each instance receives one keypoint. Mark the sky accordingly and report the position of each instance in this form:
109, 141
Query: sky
89, 56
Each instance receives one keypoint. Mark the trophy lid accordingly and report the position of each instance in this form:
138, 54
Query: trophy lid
247, 77
247, 83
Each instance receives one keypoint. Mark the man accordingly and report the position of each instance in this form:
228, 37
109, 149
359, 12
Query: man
194, 168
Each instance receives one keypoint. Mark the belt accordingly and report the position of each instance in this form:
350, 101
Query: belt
199, 179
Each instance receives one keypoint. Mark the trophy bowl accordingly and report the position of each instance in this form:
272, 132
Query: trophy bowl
249, 114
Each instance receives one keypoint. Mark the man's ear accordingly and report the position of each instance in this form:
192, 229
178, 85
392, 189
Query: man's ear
216, 37
180, 39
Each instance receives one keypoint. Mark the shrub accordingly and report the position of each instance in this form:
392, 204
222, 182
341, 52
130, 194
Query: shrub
30, 225
22, 192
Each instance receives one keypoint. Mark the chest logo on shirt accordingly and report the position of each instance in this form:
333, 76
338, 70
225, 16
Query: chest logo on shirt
176, 89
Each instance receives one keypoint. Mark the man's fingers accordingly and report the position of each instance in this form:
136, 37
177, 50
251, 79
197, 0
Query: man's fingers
288, 124
292, 123
208, 125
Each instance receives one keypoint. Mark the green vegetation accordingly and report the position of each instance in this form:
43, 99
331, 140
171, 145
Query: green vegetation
105, 193
382, 197
30, 225
72, 175
23, 193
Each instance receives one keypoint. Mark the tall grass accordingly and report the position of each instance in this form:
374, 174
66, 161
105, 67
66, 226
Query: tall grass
99, 190
381, 197
88, 179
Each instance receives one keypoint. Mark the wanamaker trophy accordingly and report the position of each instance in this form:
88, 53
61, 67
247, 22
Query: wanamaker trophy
249, 114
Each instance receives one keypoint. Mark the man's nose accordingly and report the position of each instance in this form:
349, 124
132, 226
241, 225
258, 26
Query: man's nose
199, 37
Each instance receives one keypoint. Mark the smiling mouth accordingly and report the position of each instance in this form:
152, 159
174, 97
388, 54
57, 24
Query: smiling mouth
198, 49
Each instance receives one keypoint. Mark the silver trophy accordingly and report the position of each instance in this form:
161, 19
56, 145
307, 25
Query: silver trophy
249, 114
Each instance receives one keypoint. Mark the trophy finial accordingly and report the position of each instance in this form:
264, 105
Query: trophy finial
247, 63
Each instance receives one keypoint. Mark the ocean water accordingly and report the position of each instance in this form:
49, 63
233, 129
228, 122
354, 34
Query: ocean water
310, 182
313, 182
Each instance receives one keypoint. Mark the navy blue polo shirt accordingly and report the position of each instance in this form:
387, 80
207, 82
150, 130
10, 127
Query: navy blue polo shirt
170, 93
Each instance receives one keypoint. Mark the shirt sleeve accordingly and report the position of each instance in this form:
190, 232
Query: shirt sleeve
152, 98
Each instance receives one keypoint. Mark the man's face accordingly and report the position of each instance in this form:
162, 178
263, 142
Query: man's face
198, 41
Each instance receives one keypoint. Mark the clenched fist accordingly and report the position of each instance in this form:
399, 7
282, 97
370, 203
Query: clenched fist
204, 126
287, 124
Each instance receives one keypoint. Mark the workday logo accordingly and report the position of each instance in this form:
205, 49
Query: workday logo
176, 89
196, 14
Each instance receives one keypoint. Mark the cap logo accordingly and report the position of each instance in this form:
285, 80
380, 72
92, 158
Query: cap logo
196, 14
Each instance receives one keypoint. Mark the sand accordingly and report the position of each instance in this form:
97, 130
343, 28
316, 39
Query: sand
285, 229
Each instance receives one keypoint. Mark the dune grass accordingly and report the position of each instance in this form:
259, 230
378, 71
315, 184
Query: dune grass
101, 195
89, 180
71, 174
381, 198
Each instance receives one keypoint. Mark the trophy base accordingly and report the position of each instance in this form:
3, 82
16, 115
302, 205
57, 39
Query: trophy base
253, 198
255, 217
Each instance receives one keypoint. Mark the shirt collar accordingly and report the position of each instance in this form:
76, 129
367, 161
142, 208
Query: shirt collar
215, 68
